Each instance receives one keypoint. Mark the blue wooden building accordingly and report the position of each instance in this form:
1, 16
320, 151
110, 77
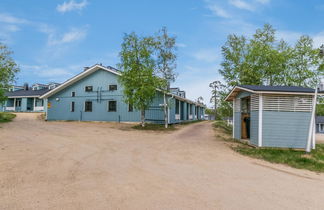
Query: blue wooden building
25, 98
273, 116
96, 95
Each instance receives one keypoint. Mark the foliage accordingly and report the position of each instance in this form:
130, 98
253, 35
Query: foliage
263, 60
165, 63
166, 56
320, 110
8, 70
6, 117
228, 129
138, 77
297, 159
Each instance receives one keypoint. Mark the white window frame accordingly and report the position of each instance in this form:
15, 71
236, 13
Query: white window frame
112, 85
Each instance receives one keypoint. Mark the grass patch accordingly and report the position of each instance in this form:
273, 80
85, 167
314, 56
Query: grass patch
160, 127
313, 161
223, 126
6, 117
154, 127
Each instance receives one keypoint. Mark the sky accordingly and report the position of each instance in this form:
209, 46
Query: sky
53, 40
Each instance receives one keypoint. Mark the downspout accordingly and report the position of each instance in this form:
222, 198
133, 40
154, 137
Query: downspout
311, 124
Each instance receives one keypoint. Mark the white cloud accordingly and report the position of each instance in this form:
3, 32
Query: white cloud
6, 18
263, 1
71, 5
182, 45
242, 5
318, 39
73, 35
206, 55
217, 10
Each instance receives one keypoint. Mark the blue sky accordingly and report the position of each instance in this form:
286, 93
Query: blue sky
54, 40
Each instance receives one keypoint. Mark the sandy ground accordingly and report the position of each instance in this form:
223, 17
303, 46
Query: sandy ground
320, 138
78, 165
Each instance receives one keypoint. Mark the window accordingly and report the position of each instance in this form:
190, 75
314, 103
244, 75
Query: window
130, 107
112, 106
177, 111
88, 106
72, 106
88, 88
18, 103
73, 94
112, 87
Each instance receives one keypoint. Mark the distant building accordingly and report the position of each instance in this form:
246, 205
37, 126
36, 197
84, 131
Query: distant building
25, 98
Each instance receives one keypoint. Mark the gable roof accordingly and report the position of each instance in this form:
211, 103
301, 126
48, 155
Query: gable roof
94, 68
80, 76
292, 90
26, 93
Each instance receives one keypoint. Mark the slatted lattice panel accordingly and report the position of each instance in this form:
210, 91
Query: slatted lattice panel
237, 107
254, 102
287, 103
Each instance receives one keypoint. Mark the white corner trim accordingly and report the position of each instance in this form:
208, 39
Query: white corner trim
260, 129
233, 127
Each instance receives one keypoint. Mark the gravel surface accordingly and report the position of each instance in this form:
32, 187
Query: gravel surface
88, 165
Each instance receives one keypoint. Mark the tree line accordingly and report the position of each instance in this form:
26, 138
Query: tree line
265, 60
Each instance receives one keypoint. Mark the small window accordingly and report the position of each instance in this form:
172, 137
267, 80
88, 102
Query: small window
88, 106
88, 88
72, 106
130, 107
112, 87
73, 94
112, 106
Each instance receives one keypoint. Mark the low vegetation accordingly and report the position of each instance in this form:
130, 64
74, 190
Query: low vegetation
6, 117
160, 127
224, 126
313, 161
297, 159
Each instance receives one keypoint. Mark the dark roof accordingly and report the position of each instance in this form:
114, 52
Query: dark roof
319, 119
278, 88
28, 92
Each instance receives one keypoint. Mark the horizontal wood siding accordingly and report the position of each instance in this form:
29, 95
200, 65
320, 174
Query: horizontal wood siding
285, 129
254, 127
237, 125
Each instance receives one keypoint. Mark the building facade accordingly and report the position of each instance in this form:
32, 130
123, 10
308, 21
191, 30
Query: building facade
96, 95
25, 98
273, 116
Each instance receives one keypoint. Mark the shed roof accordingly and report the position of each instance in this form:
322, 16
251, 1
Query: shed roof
25, 93
293, 90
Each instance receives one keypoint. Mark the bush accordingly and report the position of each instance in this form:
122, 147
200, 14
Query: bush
223, 125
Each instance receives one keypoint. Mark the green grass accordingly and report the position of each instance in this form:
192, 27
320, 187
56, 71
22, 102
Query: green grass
313, 161
6, 117
160, 127
154, 127
223, 125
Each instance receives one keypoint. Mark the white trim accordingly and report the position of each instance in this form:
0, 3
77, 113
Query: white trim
37, 96
237, 87
233, 133
260, 120
34, 104
10, 108
38, 108
314, 135
14, 103
168, 115
311, 124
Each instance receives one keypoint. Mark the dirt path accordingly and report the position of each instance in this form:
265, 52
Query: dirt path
79, 165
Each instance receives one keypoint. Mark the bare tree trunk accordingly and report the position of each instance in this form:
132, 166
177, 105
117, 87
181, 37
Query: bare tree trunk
143, 118
165, 112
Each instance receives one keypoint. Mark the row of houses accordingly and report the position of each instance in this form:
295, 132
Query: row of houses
96, 95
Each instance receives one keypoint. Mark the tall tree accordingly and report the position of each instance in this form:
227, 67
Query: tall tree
165, 63
215, 86
138, 79
8, 70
